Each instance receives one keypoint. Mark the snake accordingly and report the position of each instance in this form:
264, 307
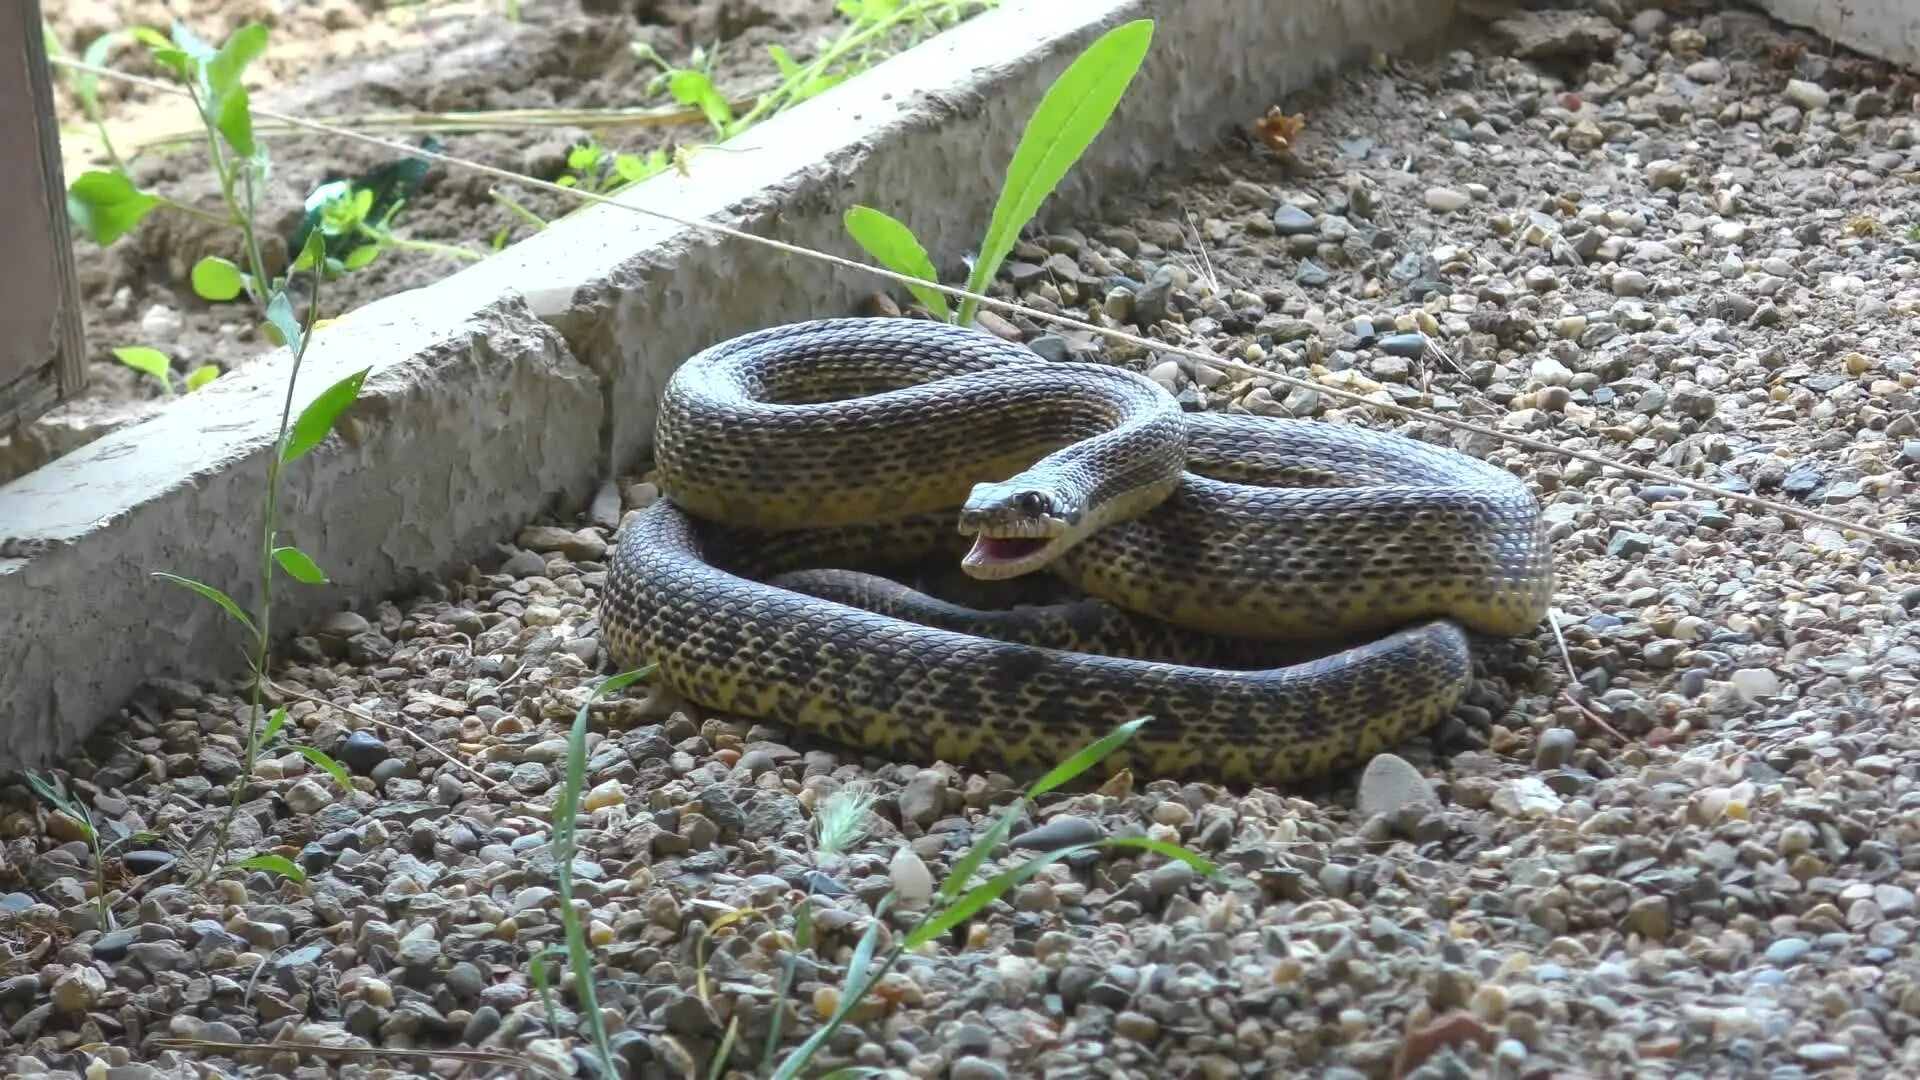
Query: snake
1278, 597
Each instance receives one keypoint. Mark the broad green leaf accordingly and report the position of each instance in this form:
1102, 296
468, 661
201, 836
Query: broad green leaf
360, 256
894, 245
234, 118
216, 279
581, 158
318, 418
319, 757
1071, 114
241, 48
273, 864
226, 602
284, 323
148, 362
690, 87
201, 376
299, 566
106, 206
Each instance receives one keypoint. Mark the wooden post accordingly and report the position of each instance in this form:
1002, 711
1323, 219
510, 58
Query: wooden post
43, 359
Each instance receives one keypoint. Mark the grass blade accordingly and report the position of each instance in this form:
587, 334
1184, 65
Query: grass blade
1086, 758
889, 240
331, 767
273, 864
565, 815
226, 602
1071, 114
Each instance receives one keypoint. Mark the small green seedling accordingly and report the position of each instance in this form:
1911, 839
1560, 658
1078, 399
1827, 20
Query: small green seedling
1070, 116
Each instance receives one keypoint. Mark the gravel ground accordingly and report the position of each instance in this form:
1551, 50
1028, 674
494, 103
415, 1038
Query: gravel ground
1680, 241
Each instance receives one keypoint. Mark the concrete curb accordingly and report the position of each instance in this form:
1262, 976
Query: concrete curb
517, 383
1887, 29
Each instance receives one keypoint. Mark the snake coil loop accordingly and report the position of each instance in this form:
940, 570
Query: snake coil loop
1203, 544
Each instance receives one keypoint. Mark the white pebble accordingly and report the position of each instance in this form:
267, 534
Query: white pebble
1804, 95
1753, 684
911, 878
1446, 200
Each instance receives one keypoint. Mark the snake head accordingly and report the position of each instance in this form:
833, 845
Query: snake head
1016, 529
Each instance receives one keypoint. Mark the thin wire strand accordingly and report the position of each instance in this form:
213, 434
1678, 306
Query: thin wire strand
1008, 307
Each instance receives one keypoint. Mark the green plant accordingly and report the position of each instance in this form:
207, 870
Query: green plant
159, 367
77, 812
954, 902
565, 818
213, 79
868, 36
348, 221
106, 204
1070, 116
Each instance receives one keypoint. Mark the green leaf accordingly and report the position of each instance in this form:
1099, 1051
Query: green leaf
276, 720
319, 758
226, 602
273, 864
299, 566
690, 87
318, 418
201, 376
225, 67
581, 158
148, 362
234, 118
963, 869
782, 59
1071, 114
191, 43
216, 279
894, 245
360, 256
1087, 757
106, 206
86, 83
281, 318
965, 907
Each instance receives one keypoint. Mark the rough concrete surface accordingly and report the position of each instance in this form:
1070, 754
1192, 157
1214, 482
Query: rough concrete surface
478, 413
1888, 29
925, 137
468, 423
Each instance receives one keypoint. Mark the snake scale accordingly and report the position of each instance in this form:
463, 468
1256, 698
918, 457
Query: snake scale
800, 464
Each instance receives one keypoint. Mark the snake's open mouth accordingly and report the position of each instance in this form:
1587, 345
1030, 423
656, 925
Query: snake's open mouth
1005, 556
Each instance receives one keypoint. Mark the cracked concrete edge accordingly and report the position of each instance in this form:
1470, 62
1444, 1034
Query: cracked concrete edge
503, 389
1886, 29
469, 422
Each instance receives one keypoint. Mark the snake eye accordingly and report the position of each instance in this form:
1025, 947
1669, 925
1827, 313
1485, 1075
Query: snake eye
1034, 503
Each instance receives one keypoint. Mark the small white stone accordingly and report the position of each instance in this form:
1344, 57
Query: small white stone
1548, 371
1446, 200
307, 796
1805, 96
1753, 684
912, 881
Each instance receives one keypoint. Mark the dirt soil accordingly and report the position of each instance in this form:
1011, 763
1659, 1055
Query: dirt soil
341, 59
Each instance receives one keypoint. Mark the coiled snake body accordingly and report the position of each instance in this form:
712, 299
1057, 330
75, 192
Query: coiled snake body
794, 459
